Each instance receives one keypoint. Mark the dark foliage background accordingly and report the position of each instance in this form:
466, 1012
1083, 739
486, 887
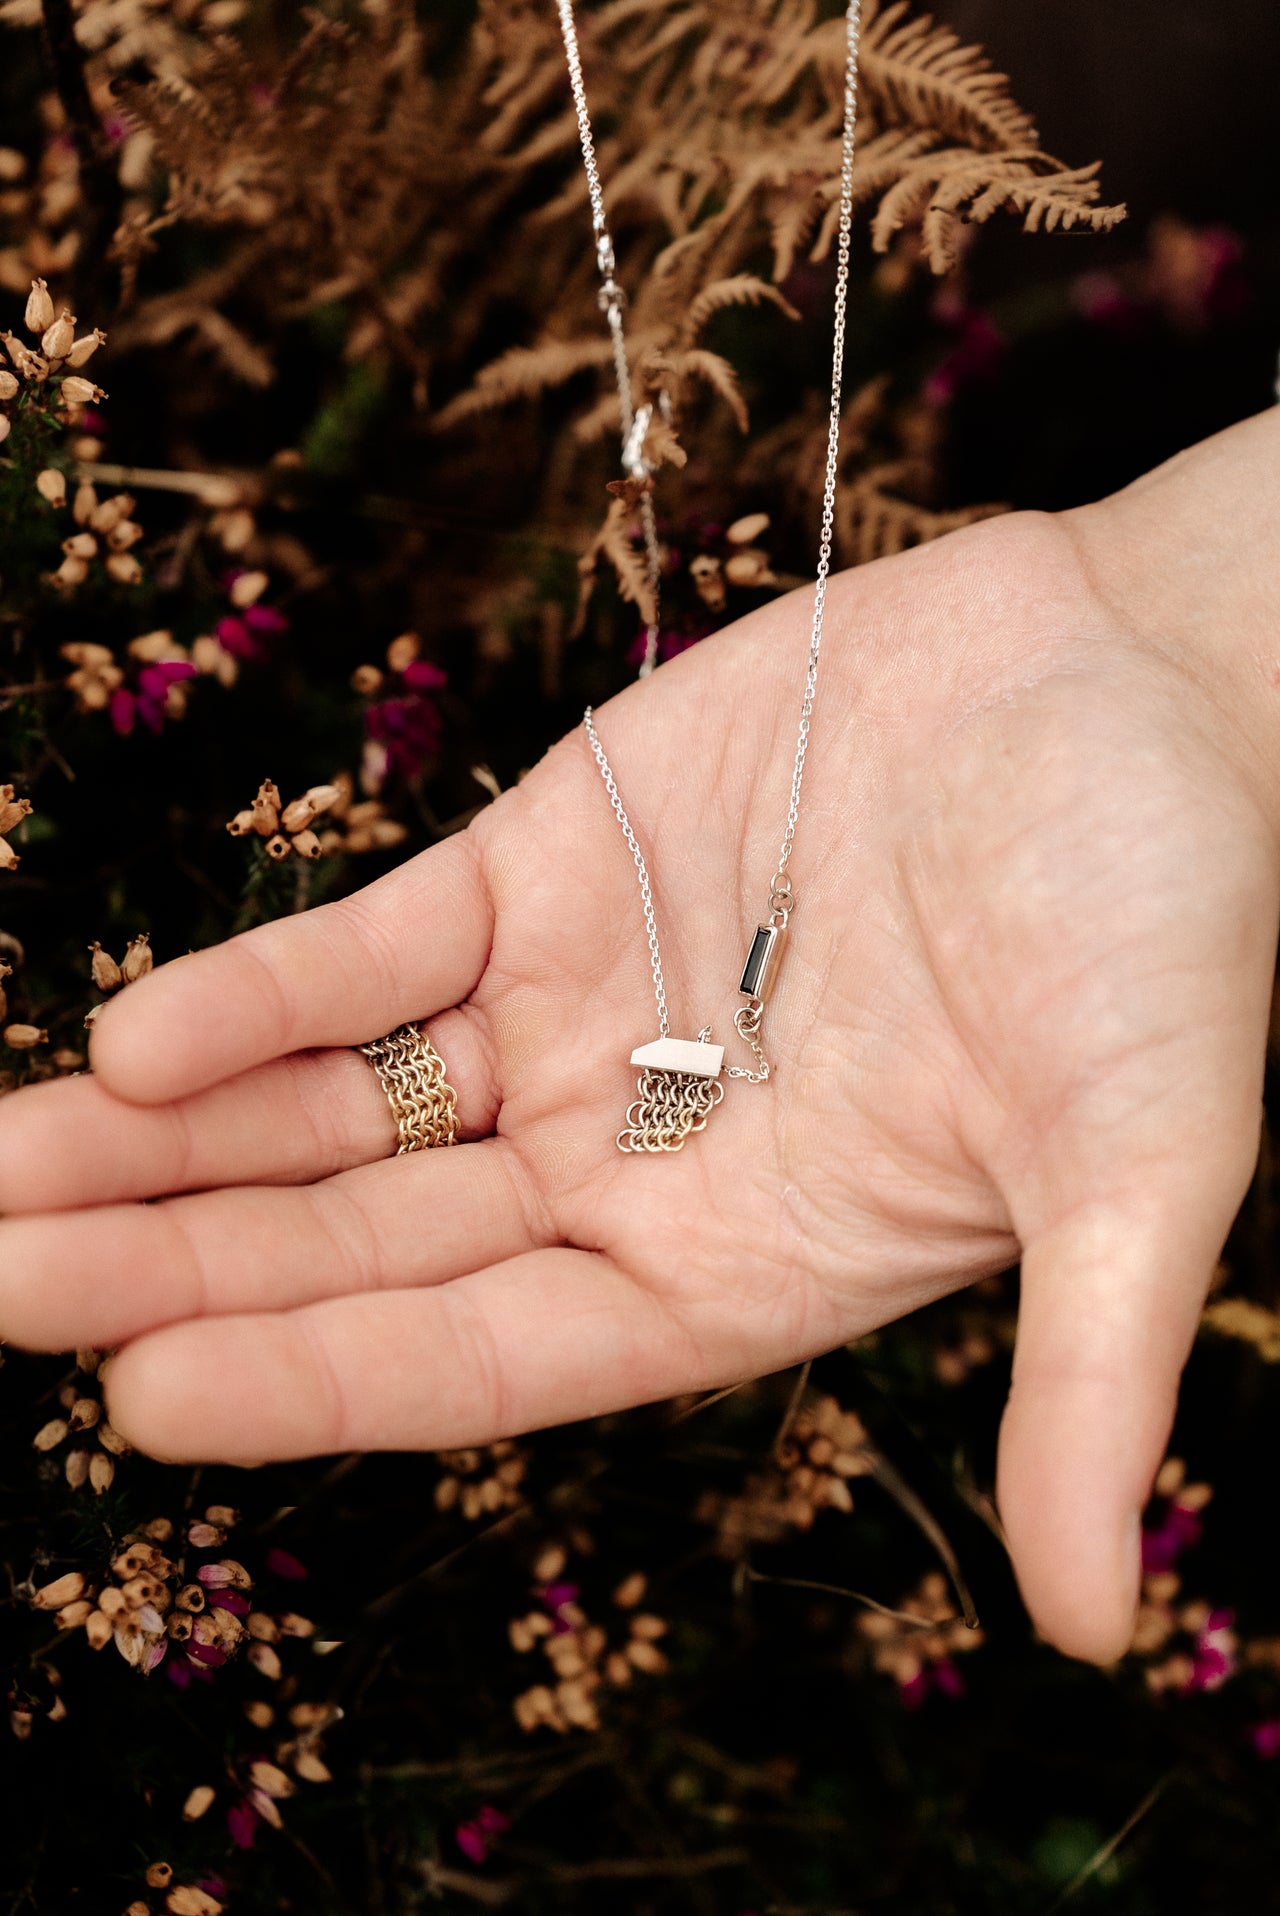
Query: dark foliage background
772, 1766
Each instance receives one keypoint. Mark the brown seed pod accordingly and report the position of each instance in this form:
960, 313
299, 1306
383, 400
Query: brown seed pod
63, 1590
50, 1434
198, 1802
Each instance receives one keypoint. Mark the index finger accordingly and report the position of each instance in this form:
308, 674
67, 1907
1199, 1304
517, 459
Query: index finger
404, 948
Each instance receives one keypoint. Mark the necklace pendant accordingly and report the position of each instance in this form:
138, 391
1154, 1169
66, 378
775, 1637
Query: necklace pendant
679, 1087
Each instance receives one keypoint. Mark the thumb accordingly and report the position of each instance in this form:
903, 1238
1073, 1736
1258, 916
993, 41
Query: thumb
1111, 1298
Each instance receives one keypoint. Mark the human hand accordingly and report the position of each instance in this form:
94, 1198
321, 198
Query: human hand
1022, 1012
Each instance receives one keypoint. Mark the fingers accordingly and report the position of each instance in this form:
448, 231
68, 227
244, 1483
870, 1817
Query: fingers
541, 1339
1110, 1303
402, 949
294, 1120
102, 1276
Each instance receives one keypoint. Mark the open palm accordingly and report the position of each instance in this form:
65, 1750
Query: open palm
1021, 1013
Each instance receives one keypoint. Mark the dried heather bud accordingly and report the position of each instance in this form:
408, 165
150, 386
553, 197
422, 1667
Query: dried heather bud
403, 651
206, 1536
71, 572
124, 534
63, 1590
28, 364
102, 1472
224, 1515
124, 568
107, 516
151, 647
85, 1413
72, 1615
8, 386
630, 1590
60, 337
50, 1434
98, 1630
260, 1714
111, 1440
248, 589
307, 845
365, 680
749, 568
271, 1779
85, 503
107, 975
9, 861
178, 1625
297, 815
24, 1037
242, 824
265, 1661
187, 1900
52, 485
81, 545
12, 810
311, 1768
191, 1597
85, 347
263, 1627
278, 848
198, 1802
81, 392
76, 1469
745, 531
266, 809
39, 313
159, 1875
138, 1908
5, 427
237, 1576
138, 960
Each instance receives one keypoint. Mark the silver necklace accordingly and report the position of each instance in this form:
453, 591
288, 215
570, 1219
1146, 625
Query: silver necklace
680, 1081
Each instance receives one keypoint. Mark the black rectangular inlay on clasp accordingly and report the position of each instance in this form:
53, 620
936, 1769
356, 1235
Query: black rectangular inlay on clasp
761, 967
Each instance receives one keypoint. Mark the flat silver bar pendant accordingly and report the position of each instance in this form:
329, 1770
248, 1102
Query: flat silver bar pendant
679, 1087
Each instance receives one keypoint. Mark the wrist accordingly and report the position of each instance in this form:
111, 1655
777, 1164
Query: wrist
1187, 560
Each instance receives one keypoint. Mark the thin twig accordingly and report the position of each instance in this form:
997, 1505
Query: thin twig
1109, 1848
923, 1517
789, 1417
839, 1590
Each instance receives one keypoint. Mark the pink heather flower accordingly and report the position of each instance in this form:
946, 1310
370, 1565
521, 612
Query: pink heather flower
123, 710
1165, 1541
554, 1597
205, 1653
148, 702
265, 621
974, 359
1265, 1738
281, 1564
212, 1575
1214, 1656
470, 1837
242, 1823
407, 728
234, 636
943, 1677
230, 1600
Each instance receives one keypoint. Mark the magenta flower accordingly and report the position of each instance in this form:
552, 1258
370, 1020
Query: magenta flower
265, 621
555, 1599
230, 1600
408, 730
670, 644
1265, 1738
242, 1822
471, 1836
1214, 1656
149, 701
281, 1564
234, 636
1163, 1543
943, 1677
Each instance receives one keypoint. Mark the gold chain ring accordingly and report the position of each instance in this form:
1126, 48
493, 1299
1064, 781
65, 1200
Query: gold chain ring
411, 1072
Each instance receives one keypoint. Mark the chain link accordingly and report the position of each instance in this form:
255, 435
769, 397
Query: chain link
612, 300
781, 896
646, 890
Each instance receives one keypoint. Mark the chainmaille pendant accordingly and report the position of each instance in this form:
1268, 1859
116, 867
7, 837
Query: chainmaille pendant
679, 1087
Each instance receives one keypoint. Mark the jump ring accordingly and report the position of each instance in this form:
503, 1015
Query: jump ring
412, 1073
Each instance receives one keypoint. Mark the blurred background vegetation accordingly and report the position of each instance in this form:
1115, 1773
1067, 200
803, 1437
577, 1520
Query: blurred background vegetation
342, 523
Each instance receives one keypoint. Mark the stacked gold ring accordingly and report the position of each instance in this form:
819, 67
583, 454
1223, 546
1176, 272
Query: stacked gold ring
411, 1072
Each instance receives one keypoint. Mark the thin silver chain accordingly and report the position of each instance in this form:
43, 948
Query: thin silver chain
646, 890
635, 425
781, 897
